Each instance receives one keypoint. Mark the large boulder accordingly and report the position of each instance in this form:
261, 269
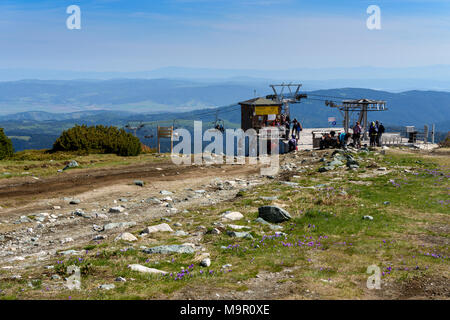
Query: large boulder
273, 214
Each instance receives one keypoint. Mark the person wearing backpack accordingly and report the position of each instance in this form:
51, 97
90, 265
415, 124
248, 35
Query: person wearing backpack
381, 130
357, 135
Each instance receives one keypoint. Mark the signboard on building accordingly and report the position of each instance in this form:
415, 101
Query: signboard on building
266, 110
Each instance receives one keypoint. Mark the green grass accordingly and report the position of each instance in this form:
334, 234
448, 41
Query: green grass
41, 163
327, 239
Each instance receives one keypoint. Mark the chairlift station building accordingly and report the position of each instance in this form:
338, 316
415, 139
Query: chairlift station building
255, 112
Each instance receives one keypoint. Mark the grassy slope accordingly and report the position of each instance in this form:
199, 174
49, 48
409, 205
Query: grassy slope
328, 245
38, 163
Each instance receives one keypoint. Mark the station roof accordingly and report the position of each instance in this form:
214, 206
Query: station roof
260, 102
363, 101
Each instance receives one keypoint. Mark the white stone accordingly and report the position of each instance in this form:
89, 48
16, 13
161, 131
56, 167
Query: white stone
163, 227
236, 227
116, 209
126, 236
205, 262
232, 215
144, 269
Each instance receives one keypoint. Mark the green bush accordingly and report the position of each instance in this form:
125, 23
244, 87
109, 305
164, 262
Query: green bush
6, 147
98, 139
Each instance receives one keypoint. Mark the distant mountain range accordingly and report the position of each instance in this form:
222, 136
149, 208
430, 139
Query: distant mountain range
434, 77
117, 102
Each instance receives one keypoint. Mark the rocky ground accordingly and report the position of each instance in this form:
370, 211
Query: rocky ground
193, 215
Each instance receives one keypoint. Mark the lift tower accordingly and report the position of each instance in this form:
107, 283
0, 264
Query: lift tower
363, 106
286, 97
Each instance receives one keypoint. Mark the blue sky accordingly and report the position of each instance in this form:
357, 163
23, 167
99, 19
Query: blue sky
132, 35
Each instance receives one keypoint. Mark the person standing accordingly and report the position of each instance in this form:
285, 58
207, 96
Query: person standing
298, 128
294, 125
373, 132
381, 130
357, 135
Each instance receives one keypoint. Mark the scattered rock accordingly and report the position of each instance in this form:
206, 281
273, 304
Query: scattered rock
97, 228
232, 215
69, 252
153, 201
71, 164
81, 213
292, 184
106, 286
121, 279
215, 231
116, 225
144, 269
163, 227
126, 236
165, 193
170, 249
326, 168
180, 233
139, 183
116, 209
245, 235
66, 240
269, 198
368, 218
75, 201
205, 262
236, 227
100, 237
273, 214
101, 216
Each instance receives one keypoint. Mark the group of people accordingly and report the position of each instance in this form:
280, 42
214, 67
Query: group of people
284, 121
376, 131
330, 140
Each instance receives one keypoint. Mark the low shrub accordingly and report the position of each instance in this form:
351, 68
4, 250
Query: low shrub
98, 139
6, 147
